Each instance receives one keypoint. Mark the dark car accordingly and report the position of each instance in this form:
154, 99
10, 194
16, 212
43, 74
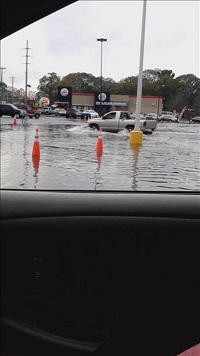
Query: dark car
11, 110
86, 116
71, 113
196, 120
78, 114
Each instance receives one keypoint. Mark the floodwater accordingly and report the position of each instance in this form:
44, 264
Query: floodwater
167, 160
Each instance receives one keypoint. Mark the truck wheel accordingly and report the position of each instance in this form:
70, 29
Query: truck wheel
130, 127
94, 126
37, 116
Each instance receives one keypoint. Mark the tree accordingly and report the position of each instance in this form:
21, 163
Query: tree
126, 86
3, 89
176, 92
48, 87
187, 91
80, 82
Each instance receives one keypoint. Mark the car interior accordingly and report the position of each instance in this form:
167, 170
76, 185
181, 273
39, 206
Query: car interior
96, 273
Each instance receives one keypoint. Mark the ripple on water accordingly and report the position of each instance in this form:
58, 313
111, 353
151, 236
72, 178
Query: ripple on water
168, 160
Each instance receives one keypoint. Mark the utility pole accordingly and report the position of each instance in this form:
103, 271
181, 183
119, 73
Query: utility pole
12, 78
26, 72
2, 69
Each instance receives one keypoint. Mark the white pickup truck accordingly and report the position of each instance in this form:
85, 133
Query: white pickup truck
115, 121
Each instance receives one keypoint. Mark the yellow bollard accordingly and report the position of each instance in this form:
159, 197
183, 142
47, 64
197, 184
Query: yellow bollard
136, 137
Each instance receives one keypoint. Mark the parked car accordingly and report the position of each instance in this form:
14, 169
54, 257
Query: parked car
60, 112
196, 120
89, 114
48, 110
151, 122
169, 118
12, 110
71, 113
44, 109
166, 113
78, 113
152, 115
30, 111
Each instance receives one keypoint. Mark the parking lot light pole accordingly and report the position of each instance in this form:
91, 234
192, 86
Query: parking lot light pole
101, 40
29, 86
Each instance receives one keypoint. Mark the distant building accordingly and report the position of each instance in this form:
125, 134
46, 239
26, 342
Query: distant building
149, 103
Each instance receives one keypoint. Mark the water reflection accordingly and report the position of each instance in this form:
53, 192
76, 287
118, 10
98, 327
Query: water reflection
25, 155
167, 160
97, 175
36, 163
36, 157
135, 149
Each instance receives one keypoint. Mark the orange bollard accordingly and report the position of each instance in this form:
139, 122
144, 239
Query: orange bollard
36, 145
99, 146
15, 120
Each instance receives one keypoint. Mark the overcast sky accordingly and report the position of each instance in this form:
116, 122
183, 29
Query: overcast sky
66, 41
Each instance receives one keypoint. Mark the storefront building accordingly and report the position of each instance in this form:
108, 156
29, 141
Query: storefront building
111, 102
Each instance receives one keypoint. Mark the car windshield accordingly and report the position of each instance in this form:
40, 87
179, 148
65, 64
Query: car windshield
15, 107
99, 66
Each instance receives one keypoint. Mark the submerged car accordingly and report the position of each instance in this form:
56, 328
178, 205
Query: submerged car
115, 121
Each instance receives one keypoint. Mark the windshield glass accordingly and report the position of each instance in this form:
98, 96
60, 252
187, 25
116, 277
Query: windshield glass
148, 64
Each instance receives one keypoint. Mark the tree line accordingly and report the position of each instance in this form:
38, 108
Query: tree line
176, 92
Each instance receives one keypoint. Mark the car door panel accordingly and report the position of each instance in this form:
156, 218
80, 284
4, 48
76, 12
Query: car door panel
77, 281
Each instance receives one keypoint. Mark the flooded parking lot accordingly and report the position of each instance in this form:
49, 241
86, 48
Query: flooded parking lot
168, 160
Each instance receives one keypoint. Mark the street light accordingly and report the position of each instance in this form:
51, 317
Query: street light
101, 40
